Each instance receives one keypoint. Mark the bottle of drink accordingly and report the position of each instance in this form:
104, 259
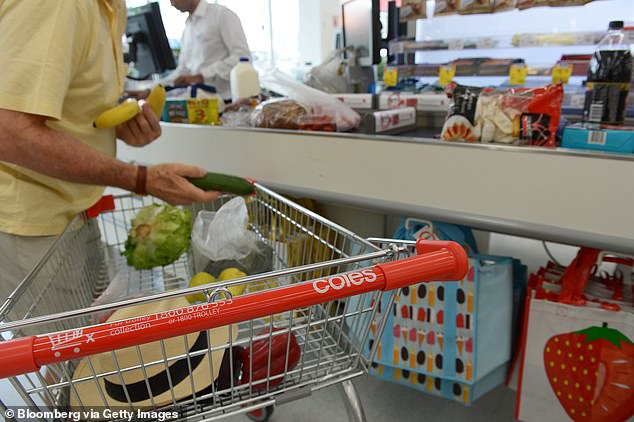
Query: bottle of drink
609, 77
244, 79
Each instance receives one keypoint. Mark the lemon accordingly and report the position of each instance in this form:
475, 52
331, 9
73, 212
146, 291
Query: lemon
197, 280
230, 274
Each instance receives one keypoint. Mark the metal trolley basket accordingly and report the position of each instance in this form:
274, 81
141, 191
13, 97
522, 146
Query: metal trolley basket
318, 296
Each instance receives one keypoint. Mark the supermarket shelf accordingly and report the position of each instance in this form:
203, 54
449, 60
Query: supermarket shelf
565, 196
480, 43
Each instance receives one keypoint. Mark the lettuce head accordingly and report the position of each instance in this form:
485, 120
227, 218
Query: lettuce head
159, 236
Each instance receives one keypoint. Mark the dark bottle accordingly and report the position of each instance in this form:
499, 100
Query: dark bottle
609, 77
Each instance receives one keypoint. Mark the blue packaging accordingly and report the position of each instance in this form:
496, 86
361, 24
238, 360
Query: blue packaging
599, 137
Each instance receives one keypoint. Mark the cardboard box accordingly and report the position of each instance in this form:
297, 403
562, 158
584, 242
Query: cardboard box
594, 136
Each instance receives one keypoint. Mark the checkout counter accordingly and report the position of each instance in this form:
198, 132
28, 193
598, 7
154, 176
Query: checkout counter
565, 196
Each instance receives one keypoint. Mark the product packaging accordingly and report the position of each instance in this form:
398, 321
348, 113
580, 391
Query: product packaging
599, 137
198, 104
524, 116
278, 113
459, 125
516, 116
309, 101
609, 78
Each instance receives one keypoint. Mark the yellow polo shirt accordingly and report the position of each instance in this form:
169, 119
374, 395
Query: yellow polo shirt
61, 59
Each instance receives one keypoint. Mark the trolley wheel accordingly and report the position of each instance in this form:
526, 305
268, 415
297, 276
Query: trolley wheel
261, 415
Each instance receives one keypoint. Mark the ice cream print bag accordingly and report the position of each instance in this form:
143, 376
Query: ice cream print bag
450, 339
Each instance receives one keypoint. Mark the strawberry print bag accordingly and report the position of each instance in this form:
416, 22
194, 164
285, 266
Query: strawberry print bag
577, 359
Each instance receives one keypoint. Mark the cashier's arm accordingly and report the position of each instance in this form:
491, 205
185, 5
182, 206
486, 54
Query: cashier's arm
25, 140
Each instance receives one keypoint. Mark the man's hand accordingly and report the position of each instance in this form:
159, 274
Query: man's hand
141, 130
189, 80
167, 182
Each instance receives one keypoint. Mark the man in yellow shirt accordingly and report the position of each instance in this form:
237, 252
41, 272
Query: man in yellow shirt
62, 65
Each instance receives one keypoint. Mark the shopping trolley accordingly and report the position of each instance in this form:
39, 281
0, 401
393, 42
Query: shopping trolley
317, 296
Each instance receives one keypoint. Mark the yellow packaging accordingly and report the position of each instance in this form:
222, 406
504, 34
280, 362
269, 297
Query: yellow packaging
390, 76
203, 111
517, 74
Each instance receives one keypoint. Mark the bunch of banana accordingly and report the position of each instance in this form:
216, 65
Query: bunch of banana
129, 108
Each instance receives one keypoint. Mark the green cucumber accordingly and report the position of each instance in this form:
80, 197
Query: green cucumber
223, 183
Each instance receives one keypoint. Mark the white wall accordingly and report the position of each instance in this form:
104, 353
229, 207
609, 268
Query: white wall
318, 21
592, 17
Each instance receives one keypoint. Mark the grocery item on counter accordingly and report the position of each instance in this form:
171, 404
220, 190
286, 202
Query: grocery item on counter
310, 100
238, 113
503, 5
159, 235
446, 7
459, 125
278, 113
197, 104
318, 122
244, 79
475, 6
268, 357
609, 77
539, 120
518, 115
599, 137
245, 103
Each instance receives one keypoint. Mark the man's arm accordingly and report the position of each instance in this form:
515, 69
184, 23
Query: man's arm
25, 140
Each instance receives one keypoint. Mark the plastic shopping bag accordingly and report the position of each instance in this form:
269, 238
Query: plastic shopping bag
222, 239
317, 103
330, 76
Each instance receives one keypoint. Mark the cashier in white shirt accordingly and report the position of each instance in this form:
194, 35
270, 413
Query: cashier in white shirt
213, 42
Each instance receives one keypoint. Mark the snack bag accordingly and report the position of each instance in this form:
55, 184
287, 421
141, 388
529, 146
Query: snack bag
495, 122
519, 115
459, 125
446, 7
468, 7
539, 123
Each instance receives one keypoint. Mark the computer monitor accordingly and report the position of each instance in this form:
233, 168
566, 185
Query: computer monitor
361, 29
149, 49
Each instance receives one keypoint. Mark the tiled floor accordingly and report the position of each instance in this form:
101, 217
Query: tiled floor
382, 402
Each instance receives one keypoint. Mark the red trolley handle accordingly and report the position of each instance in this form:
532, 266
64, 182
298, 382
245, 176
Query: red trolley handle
437, 260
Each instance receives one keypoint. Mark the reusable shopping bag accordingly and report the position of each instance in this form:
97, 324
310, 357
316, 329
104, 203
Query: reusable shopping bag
577, 357
450, 339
